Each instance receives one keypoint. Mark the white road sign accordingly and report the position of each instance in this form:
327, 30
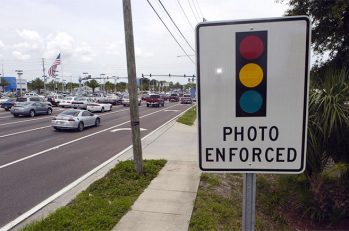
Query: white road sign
252, 94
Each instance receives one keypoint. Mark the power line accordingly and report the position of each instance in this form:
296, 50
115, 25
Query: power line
199, 8
193, 11
176, 26
196, 11
170, 32
185, 15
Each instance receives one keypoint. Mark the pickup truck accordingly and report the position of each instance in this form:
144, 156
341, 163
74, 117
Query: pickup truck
173, 98
155, 100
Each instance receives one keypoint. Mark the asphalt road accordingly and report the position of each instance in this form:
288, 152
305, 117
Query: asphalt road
36, 161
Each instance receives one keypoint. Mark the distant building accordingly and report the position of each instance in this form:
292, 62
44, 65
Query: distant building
12, 86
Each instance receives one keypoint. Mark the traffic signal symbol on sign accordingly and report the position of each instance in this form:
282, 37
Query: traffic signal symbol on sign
251, 73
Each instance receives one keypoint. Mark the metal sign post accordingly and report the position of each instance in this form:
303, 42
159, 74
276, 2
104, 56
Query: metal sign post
249, 202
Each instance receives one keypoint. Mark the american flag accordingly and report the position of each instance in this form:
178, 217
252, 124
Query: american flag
52, 70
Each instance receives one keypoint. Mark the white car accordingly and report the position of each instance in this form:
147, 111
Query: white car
101, 107
30, 94
66, 102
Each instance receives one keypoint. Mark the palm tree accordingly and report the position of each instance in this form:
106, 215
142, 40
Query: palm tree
109, 86
3, 83
328, 124
93, 84
37, 84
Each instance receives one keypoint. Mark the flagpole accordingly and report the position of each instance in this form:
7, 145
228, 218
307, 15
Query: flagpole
62, 72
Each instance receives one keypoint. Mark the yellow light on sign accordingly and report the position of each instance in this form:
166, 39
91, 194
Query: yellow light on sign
251, 75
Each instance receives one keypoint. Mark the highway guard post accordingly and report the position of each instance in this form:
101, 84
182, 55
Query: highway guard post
253, 83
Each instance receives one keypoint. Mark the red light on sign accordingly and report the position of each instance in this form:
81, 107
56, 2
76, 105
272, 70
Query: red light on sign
251, 47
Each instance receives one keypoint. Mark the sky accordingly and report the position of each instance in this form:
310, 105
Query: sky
89, 35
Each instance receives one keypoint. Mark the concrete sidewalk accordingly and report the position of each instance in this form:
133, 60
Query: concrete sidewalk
167, 203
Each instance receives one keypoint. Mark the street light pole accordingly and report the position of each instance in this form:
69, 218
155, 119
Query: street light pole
102, 77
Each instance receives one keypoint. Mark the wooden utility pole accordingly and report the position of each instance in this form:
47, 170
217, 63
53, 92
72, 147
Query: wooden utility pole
132, 88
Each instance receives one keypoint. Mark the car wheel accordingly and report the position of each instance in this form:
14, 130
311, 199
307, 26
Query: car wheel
57, 129
97, 122
80, 126
15, 115
7, 109
111, 108
49, 111
147, 105
102, 110
32, 113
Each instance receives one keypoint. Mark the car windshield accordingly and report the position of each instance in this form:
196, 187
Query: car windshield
70, 113
68, 98
186, 95
21, 99
173, 94
80, 99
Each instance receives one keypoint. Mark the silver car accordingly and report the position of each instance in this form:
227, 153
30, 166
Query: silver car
31, 109
126, 101
75, 119
81, 102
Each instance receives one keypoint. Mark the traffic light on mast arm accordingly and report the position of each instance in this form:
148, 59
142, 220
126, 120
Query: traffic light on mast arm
251, 73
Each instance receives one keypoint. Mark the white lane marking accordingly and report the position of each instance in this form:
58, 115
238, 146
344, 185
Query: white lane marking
16, 133
126, 129
50, 117
172, 110
39, 206
72, 141
3, 117
22, 121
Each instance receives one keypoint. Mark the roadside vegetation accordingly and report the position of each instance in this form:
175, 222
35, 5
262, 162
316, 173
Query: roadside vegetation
103, 203
188, 117
218, 205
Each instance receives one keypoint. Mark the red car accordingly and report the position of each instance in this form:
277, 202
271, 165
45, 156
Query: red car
155, 100
174, 98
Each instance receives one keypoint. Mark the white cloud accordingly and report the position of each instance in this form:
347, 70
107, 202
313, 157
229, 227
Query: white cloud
28, 46
148, 54
20, 56
60, 43
29, 35
139, 53
84, 53
112, 48
2, 45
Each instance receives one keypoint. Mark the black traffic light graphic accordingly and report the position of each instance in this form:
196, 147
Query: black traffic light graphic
251, 73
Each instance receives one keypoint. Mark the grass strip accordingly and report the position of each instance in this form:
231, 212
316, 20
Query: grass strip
188, 117
104, 202
218, 205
